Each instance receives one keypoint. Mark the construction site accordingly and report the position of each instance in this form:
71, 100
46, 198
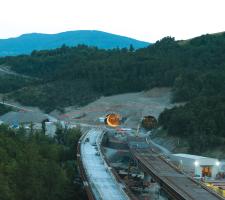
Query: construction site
138, 167
118, 158
141, 170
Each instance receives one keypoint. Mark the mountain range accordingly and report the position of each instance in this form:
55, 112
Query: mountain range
26, 43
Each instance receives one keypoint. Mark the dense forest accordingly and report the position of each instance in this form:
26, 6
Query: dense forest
34, 166
195, 69
201, 122
4, 109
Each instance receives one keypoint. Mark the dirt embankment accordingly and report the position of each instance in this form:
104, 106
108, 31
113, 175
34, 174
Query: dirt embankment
131, 106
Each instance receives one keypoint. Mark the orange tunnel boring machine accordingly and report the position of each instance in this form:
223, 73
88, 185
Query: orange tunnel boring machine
113, 120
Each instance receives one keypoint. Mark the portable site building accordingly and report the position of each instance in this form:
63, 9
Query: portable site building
199, 166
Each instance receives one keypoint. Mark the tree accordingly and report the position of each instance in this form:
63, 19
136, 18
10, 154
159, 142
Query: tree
131, 48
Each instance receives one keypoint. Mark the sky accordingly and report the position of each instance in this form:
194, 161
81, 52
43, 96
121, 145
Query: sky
147, 20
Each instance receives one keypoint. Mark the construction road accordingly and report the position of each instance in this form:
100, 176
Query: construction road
100, 180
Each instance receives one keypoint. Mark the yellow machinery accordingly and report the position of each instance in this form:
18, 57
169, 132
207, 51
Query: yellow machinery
217, 187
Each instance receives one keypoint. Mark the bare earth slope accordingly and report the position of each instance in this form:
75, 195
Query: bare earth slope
132, 106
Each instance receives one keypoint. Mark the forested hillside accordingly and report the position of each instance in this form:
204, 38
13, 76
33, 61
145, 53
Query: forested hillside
4, 109
36, 167
195, 69
74, 75
201, 123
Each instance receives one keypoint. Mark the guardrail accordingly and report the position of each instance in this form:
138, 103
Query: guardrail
90, 188
109, 169
81, 170
118, 179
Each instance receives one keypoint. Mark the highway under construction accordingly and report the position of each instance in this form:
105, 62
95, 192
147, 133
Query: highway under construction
172, 181
101, 180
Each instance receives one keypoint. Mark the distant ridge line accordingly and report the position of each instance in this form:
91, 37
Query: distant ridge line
26, 43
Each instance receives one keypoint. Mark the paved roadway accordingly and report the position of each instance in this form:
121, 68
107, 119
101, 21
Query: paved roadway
6, 70
102, 182
15, 106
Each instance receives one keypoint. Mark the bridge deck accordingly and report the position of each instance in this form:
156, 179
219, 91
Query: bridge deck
100, 180
182, 185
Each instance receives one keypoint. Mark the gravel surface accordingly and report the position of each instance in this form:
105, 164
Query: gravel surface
131, 106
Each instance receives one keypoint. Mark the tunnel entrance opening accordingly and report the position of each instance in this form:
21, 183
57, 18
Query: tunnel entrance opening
149, 122
113, 120
206, 171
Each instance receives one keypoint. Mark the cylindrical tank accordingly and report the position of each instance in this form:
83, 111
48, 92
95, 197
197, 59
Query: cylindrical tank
149, 122
113, 120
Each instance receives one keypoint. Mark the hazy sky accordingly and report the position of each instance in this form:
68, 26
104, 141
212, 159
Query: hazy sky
147, 20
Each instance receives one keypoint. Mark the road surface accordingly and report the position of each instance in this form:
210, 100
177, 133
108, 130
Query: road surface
101, 180
14, 106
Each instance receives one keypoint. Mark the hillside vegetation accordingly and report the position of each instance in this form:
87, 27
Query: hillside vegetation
195, 69
36, 167
4, 109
